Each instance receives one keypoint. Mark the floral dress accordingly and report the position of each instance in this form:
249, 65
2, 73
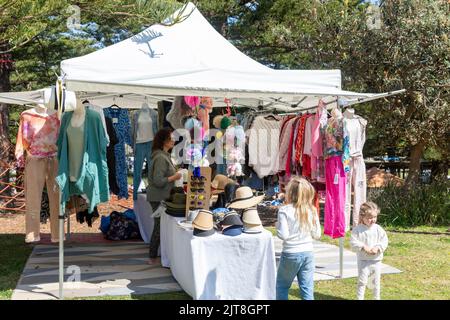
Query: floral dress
122, 125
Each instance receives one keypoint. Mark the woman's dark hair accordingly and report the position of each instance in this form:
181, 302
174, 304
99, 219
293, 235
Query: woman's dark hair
160, 138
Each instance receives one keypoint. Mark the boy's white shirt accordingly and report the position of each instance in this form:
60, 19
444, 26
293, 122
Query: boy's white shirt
294, 238
375, 236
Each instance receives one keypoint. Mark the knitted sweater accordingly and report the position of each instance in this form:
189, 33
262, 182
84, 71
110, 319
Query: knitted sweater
263, 146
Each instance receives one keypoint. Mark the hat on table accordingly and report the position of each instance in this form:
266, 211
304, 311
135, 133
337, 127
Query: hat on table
219, 183
253, 228
250, 216
176, 201
232, 231
203, 224
245, 199
252, 222
231, 218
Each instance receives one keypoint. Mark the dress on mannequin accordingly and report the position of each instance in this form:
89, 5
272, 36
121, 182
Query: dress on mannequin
92, 180
144, 131
36, 150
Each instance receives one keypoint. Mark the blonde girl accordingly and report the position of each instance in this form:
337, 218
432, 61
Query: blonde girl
369, 241
297, 225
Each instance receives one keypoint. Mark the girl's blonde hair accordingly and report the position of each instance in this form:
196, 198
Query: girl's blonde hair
368, 209
300, 193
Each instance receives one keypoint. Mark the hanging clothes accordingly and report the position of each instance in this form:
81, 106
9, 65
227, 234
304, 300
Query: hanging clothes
93, 178
356, 176
111, 157
317, 143
288, 165
122, 126
263, 145
335, 225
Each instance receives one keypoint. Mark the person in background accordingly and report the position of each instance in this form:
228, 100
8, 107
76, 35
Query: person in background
161, 180
298, 224
369, 241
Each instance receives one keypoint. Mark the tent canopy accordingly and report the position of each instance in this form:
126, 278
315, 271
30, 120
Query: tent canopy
192, 58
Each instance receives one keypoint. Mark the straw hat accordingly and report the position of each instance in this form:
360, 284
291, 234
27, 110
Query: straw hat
203, 220
245, 199
216, 121
253, 228
219, 183
250, 216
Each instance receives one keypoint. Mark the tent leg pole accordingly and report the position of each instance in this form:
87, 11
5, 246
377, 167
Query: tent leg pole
68, 225
341, 257
61, 256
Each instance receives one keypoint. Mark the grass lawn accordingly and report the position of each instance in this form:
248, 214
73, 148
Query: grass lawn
423, 258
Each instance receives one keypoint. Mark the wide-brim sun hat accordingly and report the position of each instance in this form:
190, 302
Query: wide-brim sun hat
245, 199
219, 182
250, 216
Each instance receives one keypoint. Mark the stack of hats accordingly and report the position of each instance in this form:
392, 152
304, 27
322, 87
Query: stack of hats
176, 205
252, 222
203, 224
231, 224
244, 199
219, 183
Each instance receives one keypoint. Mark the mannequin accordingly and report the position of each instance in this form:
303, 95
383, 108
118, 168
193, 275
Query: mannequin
145, 126
75, 134
42, 110
82, 162
36, 150
78, 115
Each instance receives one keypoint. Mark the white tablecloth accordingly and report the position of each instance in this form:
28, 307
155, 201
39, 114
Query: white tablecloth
143, 210
218, 266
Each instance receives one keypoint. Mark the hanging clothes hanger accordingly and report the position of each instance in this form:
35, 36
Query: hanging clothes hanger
114, 105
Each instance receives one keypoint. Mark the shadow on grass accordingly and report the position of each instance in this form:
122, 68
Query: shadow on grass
14, 253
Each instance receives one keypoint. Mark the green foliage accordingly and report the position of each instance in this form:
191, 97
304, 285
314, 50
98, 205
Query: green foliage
408, 207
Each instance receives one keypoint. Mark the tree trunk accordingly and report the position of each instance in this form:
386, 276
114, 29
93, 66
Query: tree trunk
5, 143
414, 165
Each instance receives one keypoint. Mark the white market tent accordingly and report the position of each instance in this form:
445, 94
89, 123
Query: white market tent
188, 58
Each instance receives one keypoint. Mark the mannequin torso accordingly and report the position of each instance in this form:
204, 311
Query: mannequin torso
349, 113
41, 110
144, 125
78, 116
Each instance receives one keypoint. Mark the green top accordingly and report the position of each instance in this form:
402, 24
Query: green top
75, 136
93, 175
